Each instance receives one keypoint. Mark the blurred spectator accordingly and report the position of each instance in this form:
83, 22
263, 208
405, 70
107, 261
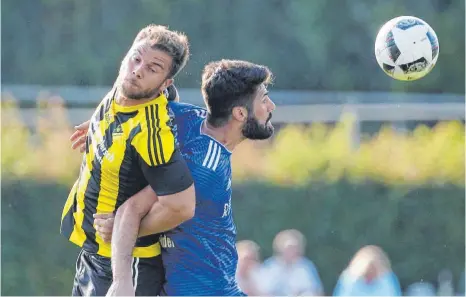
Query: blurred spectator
368, 274
288, 272
421, 289
461, 291
248, 272
445, 283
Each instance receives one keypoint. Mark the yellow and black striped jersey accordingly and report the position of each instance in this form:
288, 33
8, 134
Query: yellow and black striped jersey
127, 148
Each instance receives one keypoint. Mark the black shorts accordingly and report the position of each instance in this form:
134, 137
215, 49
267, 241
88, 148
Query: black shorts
94, 275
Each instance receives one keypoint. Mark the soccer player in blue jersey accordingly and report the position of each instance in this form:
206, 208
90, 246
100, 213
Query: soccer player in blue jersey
199, 256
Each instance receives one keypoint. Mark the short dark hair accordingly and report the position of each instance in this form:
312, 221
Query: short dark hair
230, 83
173, 43
172, 93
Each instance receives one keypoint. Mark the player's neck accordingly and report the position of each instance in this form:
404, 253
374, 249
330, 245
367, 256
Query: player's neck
226, 135
122, 100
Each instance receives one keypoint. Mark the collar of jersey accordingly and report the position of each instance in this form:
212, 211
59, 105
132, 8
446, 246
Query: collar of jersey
208, 136
120, 108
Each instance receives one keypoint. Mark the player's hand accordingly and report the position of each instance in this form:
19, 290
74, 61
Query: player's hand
78, 138
122, 287
103, 224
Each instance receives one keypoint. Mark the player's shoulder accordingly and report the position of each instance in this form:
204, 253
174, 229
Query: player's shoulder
154, 119
153, 136
208, 154
209, 163
187, 110
214, 155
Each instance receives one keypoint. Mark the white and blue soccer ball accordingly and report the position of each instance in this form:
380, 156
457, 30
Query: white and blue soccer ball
406, 48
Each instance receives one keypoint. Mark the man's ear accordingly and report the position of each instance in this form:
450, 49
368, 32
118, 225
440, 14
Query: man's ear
240, 113
167, 83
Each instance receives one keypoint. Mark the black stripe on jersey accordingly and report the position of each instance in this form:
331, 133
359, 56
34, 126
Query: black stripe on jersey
146, 109
123, 117
133, 133
90, 207
152, 135
147, 240
108, 101
101, 114
121, 198
91, 200
159, 139
88, 142
68, 220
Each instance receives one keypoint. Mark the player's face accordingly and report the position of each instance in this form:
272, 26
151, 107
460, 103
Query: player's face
371, 272
144, 72
291, 252
247, 260
258, 125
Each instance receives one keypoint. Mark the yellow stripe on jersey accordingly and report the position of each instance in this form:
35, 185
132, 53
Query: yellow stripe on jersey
78, 236
109, 179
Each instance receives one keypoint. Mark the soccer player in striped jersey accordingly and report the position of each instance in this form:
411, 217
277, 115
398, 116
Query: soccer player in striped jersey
199, 255
130, 149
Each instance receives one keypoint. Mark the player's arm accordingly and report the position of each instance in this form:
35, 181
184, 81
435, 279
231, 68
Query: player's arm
207, 183
168, 175
168, 201
161, 213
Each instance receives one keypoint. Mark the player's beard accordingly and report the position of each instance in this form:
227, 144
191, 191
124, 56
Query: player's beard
141, 94
254, 130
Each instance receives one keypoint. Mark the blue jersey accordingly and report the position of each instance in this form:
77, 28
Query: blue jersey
200, 255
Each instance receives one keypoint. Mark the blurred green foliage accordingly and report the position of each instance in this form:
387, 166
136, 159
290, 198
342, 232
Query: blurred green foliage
421, 228
36, 259
319, 44
320, 153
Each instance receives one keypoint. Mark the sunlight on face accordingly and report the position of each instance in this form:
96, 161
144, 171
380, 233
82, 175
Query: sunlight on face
144, 72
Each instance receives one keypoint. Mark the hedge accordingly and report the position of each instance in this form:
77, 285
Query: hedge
421, 228
404, 192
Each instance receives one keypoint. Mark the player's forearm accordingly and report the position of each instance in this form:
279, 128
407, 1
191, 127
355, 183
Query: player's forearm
125, 230
169, 212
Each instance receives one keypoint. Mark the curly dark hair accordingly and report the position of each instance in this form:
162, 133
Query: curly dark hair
230, 83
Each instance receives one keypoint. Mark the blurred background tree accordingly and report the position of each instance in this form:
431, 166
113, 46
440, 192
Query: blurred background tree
321, 45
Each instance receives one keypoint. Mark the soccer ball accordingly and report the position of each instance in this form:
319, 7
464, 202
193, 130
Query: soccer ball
406, 48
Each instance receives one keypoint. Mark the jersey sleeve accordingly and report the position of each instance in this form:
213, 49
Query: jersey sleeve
161, 163
169, 178
155, 143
